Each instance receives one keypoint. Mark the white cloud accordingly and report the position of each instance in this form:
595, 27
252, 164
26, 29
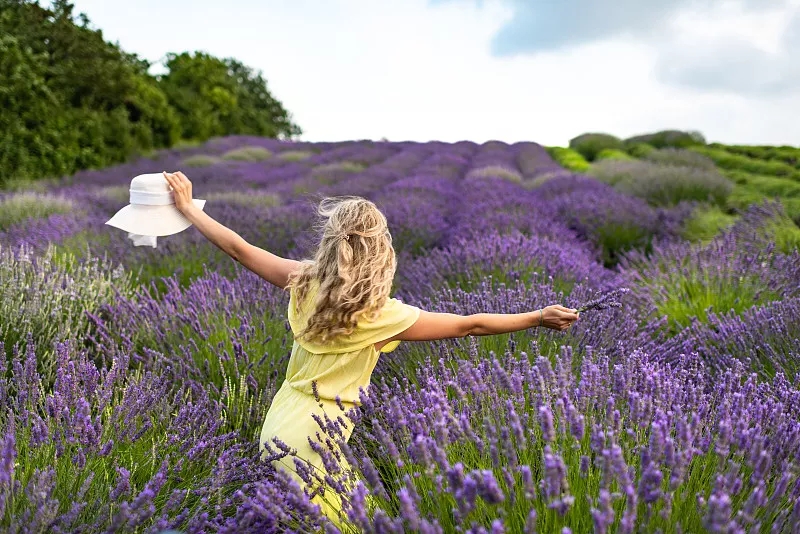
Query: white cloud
742, 53
707, 44
356, 69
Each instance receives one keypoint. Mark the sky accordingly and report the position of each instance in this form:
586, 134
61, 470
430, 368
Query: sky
508, 70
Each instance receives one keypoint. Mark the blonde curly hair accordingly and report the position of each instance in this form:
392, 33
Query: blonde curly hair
354, 265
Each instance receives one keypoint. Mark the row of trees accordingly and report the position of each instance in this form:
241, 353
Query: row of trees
69, 100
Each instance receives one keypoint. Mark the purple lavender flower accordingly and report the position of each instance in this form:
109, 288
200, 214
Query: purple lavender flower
555, 482
8, 455
546, 420
488, 488
530, 522
605, 301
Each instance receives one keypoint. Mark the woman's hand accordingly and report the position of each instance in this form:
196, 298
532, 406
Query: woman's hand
558, 317
182, 189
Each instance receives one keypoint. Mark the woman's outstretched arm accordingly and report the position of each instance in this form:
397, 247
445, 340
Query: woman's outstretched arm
272, 268
430, 325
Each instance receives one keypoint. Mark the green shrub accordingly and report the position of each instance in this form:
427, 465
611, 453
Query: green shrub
495, 171
783, 229
295, 155
705, 223
729, 161
568, 158
668, 139
786, 154
640, 150
200, 160
753, 189
616, 238
680, 157
787, 236
591, 144
19, 207
247, 153
739, 177
743, 195
663, 185
749, 151
792, 206
768, 185
613, 153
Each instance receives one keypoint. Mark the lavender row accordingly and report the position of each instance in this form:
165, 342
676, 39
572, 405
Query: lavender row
516, 442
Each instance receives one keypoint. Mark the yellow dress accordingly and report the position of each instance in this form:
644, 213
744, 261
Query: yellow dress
339, 368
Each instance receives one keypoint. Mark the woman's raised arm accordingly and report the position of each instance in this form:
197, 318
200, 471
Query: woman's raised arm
274, 269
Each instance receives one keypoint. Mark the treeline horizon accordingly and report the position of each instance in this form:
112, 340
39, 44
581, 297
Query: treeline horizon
70, 100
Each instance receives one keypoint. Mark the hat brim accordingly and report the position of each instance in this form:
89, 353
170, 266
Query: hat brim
152, 220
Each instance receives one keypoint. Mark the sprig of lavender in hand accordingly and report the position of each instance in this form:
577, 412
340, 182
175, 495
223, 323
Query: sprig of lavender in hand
605, 301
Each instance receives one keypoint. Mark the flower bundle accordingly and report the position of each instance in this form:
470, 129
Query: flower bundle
605, 301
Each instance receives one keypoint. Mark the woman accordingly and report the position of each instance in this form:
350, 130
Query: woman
342, 318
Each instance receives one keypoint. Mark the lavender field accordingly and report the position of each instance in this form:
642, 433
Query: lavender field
137, 379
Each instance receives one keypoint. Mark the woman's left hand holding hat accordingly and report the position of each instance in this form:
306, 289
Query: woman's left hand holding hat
182, 189
160, 205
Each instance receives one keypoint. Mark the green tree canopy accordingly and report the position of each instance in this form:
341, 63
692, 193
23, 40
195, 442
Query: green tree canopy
71, 100
220, 96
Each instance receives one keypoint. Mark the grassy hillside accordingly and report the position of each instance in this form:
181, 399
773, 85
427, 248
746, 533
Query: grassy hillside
756, 173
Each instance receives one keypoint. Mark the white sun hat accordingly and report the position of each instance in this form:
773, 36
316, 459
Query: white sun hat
151, 212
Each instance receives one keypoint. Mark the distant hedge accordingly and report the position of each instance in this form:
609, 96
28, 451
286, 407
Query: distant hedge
640, 150
589, 145
668, 139
786, 154
769, 185
613, 153
568, 158
727, 160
